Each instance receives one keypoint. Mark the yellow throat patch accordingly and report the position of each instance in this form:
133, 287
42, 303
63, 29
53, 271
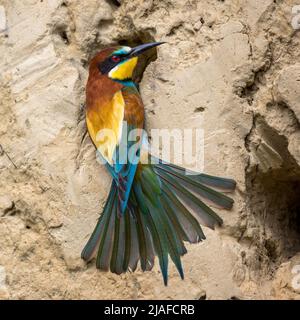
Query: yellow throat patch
124, 70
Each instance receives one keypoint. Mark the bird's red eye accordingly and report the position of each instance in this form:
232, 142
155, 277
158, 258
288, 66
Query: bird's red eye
115, 58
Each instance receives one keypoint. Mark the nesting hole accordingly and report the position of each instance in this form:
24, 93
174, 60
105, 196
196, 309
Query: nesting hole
273, 187
116, 3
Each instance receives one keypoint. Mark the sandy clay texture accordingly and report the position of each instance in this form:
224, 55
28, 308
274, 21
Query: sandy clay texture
231, 68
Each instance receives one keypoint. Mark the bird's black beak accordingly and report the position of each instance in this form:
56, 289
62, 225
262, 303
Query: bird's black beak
143, 47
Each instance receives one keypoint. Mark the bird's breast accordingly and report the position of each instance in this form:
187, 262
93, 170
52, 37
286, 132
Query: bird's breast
104, 122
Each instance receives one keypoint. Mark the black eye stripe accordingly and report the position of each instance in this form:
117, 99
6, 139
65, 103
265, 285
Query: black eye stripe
106, 66
109, 63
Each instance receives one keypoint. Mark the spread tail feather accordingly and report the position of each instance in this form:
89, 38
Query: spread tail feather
166, 208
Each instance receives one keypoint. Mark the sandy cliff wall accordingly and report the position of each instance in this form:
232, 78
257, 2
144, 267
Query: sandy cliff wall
229, 67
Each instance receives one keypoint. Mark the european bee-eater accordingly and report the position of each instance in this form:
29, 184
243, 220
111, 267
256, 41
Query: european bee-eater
152, 209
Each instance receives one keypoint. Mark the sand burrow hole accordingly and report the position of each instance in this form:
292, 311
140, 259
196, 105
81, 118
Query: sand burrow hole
273, 193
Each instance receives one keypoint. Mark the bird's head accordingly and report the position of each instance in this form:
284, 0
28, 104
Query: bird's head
118, 63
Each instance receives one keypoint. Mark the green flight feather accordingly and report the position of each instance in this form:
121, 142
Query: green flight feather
159, 239
138, 195
151, 185
134, 248
145, 243
117, 258
138, 231
92, 245
106, 243
174, 243
181, 234
205, 215
152, 180
128, 242
225, 184
207, 193
188, 222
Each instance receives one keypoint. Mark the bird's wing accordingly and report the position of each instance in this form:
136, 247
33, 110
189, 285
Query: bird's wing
128, 147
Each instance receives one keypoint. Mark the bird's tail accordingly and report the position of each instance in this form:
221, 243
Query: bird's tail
166, 208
